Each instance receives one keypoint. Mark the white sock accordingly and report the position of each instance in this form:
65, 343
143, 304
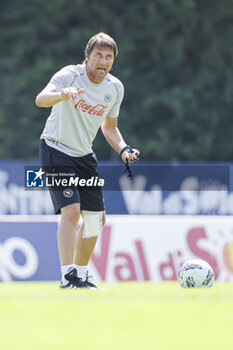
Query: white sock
82, 271
64, 270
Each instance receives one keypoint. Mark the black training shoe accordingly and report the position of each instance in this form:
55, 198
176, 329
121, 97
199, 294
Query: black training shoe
74, 281
89, 282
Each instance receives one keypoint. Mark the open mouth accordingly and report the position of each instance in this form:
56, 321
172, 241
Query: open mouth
101, 70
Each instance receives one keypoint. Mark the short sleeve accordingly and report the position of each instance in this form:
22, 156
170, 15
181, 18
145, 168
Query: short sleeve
62, 78
114, 112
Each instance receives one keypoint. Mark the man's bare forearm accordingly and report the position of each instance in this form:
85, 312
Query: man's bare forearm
49, 96
114, 138
48, 99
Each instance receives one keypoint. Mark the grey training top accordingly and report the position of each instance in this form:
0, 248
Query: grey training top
73, 125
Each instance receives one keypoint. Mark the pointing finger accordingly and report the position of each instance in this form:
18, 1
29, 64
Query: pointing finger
80, 91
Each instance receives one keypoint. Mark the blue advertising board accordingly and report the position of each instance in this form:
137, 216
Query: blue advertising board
158, 189
28, 251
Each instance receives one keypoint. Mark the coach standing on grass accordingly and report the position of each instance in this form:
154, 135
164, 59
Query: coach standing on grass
84, 98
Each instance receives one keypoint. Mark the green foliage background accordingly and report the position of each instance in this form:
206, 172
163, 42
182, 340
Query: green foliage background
175, 61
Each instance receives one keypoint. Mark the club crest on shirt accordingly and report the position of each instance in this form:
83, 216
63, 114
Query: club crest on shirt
107, 98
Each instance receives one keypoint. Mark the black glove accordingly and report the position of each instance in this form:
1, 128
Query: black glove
127, 170
129, 150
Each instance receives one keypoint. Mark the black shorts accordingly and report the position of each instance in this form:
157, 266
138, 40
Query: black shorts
58, 165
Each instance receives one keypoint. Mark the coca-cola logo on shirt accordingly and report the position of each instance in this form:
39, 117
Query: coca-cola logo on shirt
93, 110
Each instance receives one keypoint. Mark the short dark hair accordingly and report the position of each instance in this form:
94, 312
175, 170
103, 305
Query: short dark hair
101, 40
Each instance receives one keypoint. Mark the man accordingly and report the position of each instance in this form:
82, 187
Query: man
83, 98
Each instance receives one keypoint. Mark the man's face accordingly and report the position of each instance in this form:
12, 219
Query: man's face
99, 63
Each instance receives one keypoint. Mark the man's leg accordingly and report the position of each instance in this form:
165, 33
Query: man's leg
84, 249
66, 234
66, 237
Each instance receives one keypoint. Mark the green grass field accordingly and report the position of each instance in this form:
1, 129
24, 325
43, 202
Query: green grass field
123, 316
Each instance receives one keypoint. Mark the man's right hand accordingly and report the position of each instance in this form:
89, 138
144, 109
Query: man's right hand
70, 93
49, 96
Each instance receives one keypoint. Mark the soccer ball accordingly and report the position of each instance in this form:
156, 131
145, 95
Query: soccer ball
196, 273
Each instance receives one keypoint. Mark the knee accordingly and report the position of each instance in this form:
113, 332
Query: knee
93, 223
71, 212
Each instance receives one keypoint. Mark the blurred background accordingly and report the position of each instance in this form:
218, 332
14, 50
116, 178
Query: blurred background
175, 61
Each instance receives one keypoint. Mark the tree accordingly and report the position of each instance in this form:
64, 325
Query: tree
174, 60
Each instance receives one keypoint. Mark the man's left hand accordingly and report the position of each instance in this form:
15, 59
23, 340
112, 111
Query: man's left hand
130, 156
